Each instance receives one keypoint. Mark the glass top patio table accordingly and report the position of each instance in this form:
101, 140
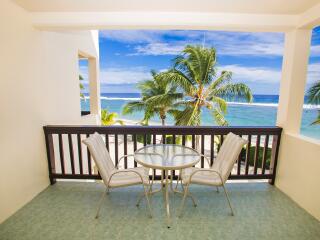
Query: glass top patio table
167, 156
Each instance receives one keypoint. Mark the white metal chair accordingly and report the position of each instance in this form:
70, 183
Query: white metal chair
220, 170
113, 177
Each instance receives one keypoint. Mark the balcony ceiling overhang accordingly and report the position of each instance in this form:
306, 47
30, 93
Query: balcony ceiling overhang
229, 15
227, 6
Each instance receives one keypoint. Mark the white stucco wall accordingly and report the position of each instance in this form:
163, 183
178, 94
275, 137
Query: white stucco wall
38, 86
298, 173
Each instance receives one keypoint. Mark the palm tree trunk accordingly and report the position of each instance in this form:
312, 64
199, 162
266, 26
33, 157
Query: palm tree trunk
163, 123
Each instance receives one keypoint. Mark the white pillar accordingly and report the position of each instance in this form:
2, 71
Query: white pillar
94, 85
294, 75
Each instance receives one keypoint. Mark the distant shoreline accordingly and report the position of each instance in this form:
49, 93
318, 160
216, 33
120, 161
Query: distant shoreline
259, 100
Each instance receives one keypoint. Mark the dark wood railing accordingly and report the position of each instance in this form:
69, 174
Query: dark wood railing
69, 158
84, 113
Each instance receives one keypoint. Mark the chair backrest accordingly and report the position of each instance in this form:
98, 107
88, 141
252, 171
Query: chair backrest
100, 156
228, 155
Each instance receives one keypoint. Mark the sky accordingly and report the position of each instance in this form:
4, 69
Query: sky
127, 56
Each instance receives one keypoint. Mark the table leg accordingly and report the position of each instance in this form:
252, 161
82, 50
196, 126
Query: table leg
167, 198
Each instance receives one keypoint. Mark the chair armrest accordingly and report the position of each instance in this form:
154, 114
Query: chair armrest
125, 171
129, 155
208, 161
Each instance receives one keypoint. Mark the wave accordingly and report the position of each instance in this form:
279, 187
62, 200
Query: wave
305, 106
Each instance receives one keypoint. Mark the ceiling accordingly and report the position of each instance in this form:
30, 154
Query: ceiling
229, 6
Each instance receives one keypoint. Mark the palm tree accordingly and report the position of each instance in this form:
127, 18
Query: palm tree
108, 118
314, 98
195, 72
158, 97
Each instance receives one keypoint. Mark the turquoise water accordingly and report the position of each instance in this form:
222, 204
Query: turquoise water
263, 112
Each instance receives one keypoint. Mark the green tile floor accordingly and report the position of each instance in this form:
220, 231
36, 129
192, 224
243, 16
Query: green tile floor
66, 211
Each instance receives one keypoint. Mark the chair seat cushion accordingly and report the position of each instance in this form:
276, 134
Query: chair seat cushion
122, 179
203, 177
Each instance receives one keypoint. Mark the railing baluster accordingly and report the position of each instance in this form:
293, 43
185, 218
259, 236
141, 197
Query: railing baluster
144, 139
135, 147
89, 159
202, 150
183, 140
107, 141
265, 153
116, 149
80, 153
239, 161
221, 141
71, 153
248, 155
61, 153
193, 141
50, 156
164, 139
154, 138
125, 150
256, 155
274, 157
211, 149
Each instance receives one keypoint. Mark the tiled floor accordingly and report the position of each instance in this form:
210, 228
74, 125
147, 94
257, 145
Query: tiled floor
66, 211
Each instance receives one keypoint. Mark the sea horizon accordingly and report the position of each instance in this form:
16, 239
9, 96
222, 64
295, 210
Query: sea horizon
261, 112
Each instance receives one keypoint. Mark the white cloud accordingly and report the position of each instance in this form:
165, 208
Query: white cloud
313, 72
124, 75
227, 43
315, 51
157, 49
253, 74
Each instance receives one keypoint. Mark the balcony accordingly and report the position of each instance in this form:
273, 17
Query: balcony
66, 210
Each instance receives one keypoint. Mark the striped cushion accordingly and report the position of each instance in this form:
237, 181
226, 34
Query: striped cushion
226, 158
100, 156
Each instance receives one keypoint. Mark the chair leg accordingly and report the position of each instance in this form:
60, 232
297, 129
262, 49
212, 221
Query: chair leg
227, 196
186, 190
148, 201
101, 201
193, 200
139, 199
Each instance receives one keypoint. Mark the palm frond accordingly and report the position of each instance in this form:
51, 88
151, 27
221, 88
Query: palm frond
219, 118
221, 103
317, 121
314, 93
234, 90
178, 78
134, 106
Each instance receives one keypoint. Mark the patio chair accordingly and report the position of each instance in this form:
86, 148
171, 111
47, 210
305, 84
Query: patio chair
113, 177
220, 170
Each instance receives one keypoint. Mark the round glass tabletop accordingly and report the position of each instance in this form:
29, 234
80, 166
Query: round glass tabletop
167, 156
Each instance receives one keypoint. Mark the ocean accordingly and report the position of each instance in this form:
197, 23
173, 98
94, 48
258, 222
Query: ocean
262, 112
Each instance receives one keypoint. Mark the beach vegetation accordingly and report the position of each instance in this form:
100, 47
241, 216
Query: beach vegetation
81, 87
314, 98
109, 118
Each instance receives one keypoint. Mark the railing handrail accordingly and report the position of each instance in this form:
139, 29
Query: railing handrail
132, 129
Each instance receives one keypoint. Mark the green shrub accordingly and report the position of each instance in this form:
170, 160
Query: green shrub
260, 156
169, 139
140, 138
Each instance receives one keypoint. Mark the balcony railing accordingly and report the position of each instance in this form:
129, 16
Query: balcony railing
69, 158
